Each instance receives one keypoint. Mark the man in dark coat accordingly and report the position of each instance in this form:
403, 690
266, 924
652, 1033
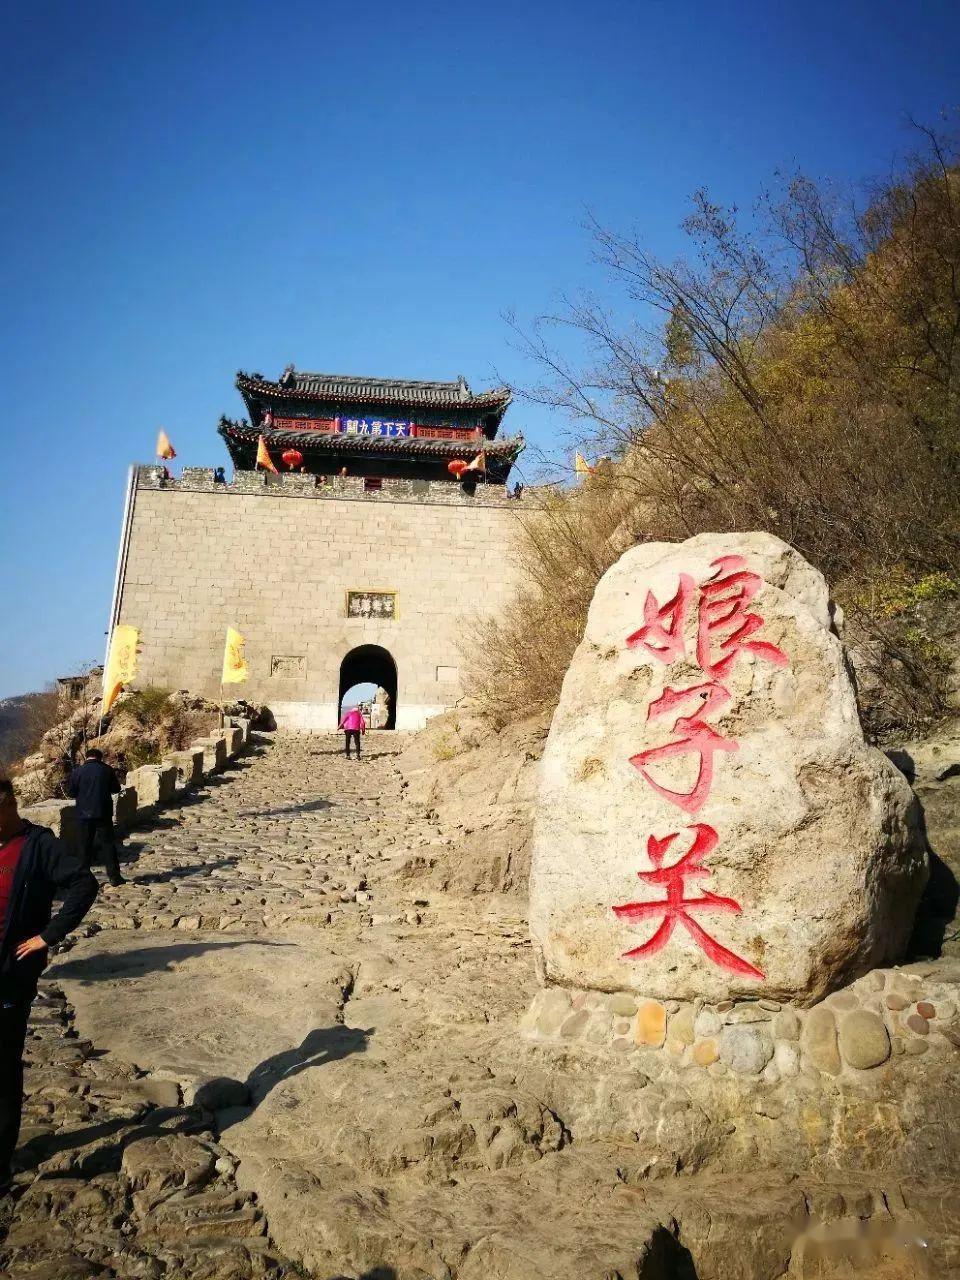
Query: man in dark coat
93, 785
34, 866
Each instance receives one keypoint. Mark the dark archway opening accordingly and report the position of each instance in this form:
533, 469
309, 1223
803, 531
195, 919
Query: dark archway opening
368, 665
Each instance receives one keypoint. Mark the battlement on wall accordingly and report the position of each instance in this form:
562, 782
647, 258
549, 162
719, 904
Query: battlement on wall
296, 485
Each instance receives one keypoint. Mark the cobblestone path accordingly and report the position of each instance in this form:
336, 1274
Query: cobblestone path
122, 1173
285, 837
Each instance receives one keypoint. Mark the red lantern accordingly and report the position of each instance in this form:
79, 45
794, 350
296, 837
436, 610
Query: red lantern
292, 457
457, 467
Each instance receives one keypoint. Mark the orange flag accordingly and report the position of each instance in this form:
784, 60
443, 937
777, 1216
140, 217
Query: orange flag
164, 448
263, 457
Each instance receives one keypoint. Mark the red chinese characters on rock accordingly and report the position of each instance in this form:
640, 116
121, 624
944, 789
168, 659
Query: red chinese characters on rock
677, 909
724, 627
724, 621
723, 600
694, 735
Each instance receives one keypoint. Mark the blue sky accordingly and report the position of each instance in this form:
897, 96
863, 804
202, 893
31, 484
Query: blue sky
196, 188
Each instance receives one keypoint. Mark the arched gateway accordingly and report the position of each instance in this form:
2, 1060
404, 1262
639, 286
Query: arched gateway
369, 664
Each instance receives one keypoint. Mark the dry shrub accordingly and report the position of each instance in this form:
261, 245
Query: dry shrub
143, 727
803, 379
149, 723
567, 543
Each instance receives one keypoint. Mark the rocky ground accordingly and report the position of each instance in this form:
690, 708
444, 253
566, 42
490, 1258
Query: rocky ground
119, 1178
284, 1049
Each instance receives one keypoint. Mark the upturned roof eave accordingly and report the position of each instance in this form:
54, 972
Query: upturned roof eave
412, 395
323, 442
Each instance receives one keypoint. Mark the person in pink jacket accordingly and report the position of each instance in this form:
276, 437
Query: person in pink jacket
353, 724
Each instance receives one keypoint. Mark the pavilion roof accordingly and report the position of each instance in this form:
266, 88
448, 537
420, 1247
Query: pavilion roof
354, 389
242, 436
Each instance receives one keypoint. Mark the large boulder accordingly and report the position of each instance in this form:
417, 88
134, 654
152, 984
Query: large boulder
710, 820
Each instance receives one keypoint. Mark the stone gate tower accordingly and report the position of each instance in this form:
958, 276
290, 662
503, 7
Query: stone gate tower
386, 528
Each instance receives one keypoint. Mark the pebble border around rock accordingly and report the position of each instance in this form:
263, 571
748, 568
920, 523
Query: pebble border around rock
887, 1014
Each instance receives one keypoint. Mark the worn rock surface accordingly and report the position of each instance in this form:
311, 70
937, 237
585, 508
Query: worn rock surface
708, 715
119, 1178
343, 1042
478, 787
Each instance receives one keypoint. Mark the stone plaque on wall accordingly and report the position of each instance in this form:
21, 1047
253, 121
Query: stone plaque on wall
380, 605
286, 665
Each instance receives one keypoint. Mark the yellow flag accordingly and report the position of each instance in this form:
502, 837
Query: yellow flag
479, 463
121, 664
263, 457
234, 663
581, 466
164, 448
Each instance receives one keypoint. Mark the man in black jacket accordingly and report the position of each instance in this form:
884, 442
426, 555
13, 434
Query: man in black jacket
93, 785
34, 866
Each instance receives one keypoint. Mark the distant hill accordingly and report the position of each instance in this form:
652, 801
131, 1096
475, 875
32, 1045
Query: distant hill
23, 720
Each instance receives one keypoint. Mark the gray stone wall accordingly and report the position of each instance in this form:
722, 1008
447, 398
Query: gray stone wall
276, 560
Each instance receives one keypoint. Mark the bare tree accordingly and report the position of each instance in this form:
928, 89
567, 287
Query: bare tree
798, 374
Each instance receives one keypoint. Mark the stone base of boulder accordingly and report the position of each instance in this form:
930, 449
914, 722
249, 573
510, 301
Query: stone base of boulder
683, 1086
855, 1032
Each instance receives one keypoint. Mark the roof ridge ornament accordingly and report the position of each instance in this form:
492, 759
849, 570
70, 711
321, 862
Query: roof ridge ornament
353, 389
